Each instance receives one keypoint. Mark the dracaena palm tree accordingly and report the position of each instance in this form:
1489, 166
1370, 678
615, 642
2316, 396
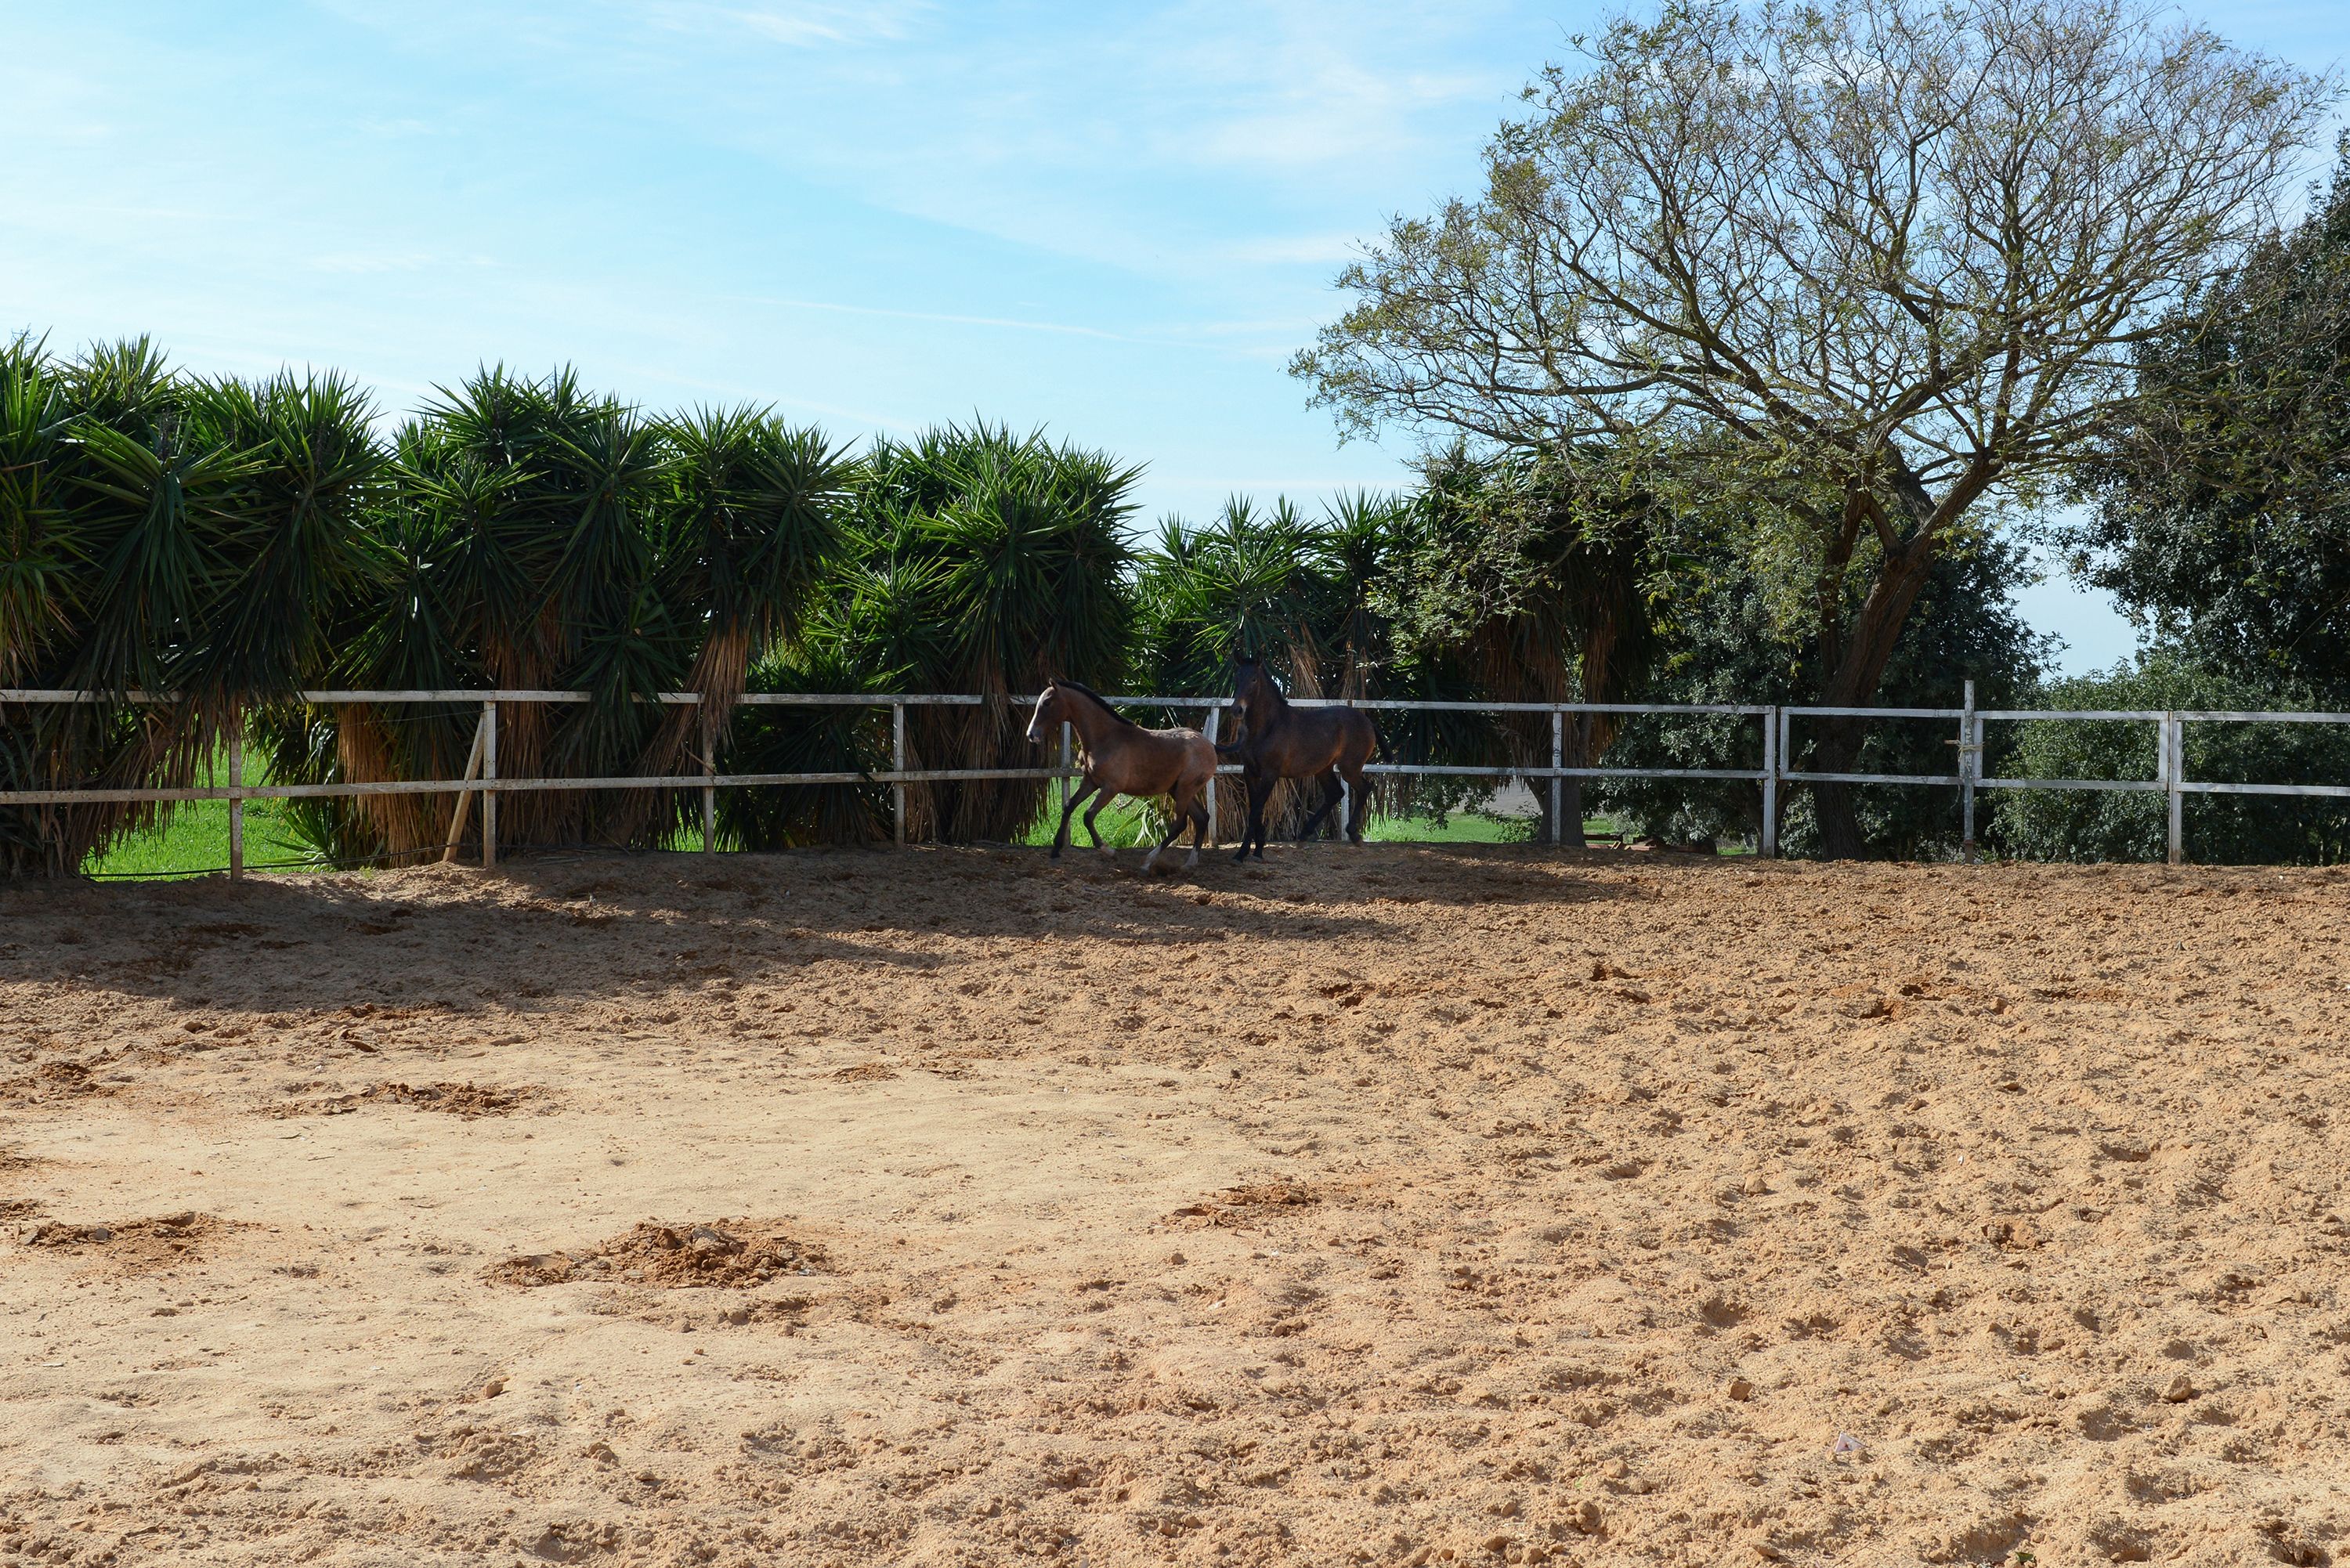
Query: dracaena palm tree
171, 535
535, 536
987, 562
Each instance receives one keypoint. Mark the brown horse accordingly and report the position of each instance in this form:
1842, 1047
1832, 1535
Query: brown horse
1286, 742
1124, 758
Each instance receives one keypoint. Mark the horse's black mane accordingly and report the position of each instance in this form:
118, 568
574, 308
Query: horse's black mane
1102, 701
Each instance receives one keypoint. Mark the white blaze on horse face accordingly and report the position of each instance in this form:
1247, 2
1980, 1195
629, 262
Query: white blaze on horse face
1037, 720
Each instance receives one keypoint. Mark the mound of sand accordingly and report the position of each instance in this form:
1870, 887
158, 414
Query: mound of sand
726, 1253
1393, 1206
130, 1246
467, 1099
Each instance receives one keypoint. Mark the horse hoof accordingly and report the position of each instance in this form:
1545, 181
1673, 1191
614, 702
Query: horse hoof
1192, 861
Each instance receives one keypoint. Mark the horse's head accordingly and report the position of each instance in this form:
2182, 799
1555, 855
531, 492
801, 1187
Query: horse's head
1047, 713
1249, 682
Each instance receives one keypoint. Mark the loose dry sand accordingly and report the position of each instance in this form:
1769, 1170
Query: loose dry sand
1395, 1206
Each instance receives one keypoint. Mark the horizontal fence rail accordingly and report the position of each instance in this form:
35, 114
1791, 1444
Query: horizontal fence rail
1778, 737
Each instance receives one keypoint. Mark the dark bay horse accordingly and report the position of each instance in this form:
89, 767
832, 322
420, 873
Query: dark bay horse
1124, 758
1286, 742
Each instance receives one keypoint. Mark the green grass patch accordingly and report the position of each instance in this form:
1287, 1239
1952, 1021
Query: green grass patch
193, 839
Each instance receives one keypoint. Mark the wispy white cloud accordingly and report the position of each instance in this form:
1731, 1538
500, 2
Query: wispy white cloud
797, 24
1135, 135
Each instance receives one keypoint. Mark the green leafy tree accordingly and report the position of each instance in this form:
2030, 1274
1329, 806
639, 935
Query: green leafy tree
2221, 514
2067, 824
537, 536
1725, 643
1870, 270
1540, 586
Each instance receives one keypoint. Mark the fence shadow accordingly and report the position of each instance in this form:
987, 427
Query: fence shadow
551, 930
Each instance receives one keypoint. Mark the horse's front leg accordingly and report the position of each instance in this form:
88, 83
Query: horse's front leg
1061, 838
1260, 791
1100, 801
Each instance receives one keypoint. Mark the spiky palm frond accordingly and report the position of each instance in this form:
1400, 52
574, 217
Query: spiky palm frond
41, 552
297, 550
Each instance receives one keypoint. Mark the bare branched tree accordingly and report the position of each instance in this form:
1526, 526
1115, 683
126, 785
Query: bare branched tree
1876, 265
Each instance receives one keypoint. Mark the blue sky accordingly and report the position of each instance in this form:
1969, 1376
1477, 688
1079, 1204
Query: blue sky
1115, 221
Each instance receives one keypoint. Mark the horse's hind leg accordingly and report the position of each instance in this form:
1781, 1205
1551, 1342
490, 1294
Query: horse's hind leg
1174, 831
1199, 834
1331, 796
1100, 801
1188, 812
1359, 804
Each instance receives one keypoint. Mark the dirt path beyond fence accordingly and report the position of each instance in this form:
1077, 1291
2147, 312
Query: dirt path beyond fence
1392, 1206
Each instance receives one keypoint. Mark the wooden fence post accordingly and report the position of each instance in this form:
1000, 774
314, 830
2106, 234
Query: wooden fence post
236, 806
489, 786
1558, 784
1215, 715
465, 796
1969, 769
709, 769
898, 764
2174, 773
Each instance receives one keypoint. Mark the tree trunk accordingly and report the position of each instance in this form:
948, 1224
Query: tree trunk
1853, 683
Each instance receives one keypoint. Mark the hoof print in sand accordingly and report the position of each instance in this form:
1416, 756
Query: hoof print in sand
729, 1252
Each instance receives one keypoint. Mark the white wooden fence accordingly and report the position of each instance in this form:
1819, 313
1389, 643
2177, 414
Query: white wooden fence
1777, 725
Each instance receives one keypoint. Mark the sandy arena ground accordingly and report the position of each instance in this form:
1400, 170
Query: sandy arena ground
1393, 1206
